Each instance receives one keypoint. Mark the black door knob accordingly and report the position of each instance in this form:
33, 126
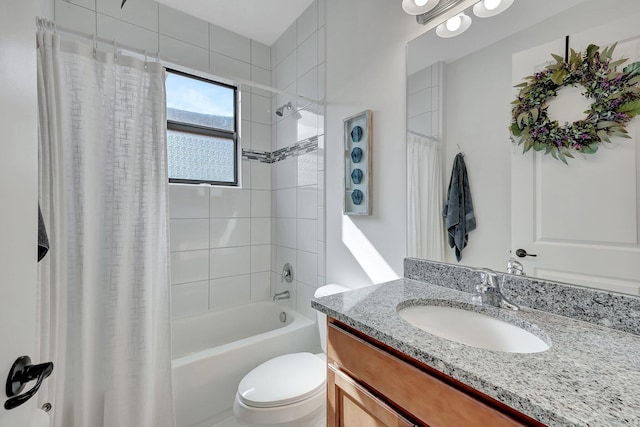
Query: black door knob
521, 253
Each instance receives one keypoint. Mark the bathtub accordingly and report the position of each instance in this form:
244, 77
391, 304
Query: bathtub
212, 352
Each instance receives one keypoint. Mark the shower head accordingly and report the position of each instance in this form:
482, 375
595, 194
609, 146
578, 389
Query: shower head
280, 111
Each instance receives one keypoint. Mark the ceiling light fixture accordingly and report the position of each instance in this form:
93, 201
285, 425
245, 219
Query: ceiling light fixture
454, 26
489, 8
418, 7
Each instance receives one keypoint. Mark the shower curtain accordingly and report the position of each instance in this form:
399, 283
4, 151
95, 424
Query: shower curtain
425, 224
104, 288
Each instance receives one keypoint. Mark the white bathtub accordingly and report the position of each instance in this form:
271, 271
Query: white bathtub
213, 351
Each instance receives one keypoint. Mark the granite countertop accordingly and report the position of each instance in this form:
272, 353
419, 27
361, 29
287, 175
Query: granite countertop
589, 377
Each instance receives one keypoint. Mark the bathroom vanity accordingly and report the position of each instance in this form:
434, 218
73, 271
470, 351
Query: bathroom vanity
384, 371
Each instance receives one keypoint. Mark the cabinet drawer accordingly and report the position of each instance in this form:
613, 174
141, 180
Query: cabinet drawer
426, 398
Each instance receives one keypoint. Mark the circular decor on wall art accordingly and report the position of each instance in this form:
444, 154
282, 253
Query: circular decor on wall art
356, 134
356, 176
614, 97
356, 155
356, 197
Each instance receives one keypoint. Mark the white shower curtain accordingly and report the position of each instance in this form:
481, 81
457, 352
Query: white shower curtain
425, 223
104, 286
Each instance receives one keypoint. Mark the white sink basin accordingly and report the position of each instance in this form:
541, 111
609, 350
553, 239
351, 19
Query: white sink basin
473, 329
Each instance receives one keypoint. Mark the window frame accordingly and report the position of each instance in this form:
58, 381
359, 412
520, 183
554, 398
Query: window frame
211, 132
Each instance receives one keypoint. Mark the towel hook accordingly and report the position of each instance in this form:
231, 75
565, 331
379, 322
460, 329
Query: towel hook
460, 149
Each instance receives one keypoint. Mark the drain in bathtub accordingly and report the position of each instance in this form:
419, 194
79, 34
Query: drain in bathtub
283, 317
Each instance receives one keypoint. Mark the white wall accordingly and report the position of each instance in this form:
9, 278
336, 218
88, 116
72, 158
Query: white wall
478, 93
366, 70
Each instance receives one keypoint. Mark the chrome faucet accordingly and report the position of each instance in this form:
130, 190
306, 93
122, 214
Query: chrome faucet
287, 273
489, 290
515, 267
281, 295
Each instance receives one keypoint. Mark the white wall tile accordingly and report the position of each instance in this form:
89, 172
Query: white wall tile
322, 12
307, 169
307, 268
189, 298
230, 203
322, 84
308, 86
419, 102
189, 266
286, 232
260, 204
261, 76
307, 55
307, 124
307, 23
307, 201
128, 34
230, 291
143, 13
419, 80
245, 134
260, 137
287, 132
245, 105
230, 261
320, 184
184, 53
286, 203
260, 258
320, 154
89, 4
188, 201
230, 44
226, 66
260, 109
321, 258
260, 231
71, 16
181, 26
261, 55
421, 124
303, 300
274, 248
245, 174
230, 232
285, 44
321, 216
307, 235
286, 71
261, 286
322, 45
286, 173
189, 234
261, 174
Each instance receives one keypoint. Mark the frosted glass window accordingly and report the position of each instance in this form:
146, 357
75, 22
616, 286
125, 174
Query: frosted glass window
200, 157
201, 130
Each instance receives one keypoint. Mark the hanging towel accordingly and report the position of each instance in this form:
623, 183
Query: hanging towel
458, 210
43, 240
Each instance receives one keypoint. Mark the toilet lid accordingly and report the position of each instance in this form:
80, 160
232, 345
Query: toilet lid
283, 380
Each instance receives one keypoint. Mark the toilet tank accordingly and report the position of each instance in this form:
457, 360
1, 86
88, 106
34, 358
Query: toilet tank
324, 291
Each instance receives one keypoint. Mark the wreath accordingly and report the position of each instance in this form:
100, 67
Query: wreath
614, 96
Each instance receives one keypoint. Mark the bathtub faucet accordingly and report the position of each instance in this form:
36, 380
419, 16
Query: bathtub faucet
281, 295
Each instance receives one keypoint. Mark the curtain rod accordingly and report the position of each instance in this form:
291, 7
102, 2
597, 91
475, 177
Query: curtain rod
46, 24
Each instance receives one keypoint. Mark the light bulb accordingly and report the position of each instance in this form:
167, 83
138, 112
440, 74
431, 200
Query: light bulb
454, 23
491, 4
420, 3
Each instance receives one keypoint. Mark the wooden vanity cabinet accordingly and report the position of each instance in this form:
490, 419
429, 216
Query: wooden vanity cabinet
372, 385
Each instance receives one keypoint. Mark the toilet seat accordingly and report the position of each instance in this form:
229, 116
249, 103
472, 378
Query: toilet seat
283, 380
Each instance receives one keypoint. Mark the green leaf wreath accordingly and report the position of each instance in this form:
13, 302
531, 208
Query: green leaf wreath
614, 96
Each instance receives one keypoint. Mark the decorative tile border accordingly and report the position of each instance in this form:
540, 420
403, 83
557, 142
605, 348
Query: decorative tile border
303, 147
616, 311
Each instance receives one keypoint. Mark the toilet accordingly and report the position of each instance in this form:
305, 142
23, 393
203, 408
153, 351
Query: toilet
288, 390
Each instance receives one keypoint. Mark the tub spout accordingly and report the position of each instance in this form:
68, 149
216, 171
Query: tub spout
281, 295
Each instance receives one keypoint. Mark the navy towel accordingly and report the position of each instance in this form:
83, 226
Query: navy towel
458, 211
43, 240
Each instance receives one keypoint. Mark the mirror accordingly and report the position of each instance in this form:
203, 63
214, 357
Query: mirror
459, 92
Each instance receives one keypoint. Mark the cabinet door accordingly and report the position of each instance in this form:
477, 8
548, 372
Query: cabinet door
350, 405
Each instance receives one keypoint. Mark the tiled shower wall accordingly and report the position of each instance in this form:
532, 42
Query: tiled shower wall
229, 244
298, 60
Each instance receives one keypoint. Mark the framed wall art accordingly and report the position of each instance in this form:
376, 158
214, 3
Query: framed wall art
357, 162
